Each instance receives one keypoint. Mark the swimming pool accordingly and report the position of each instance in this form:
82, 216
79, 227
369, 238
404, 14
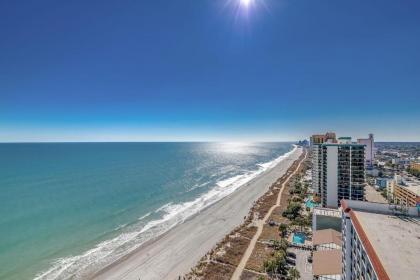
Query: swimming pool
299, 238
310, 203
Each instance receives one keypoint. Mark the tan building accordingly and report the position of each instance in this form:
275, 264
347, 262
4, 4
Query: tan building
407, 195
326, 239
327, 265
415, 166
323, 138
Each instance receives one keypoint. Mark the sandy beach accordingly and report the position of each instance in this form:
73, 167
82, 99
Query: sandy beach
174, 253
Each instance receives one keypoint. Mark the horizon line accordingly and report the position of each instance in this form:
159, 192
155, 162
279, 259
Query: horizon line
180, 141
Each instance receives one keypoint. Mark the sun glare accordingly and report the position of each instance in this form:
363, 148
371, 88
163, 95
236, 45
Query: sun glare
245, 3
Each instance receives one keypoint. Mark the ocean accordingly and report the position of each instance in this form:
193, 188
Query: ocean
68, 209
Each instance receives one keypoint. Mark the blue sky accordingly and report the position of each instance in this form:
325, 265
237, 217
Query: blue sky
208, 70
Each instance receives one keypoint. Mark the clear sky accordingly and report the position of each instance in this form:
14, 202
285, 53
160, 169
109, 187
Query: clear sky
208, 69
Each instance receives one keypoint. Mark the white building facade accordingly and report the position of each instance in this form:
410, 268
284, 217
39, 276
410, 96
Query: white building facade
369, 150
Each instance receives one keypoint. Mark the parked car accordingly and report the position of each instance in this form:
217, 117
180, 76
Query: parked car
291, 262
272, 223
310, 259
291, 255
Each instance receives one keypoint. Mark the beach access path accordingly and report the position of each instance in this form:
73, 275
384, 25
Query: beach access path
260, 225
176, 252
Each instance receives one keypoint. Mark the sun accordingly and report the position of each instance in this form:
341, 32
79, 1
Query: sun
245, 3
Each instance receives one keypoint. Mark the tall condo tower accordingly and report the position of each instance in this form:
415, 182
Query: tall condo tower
339, 171
316, 141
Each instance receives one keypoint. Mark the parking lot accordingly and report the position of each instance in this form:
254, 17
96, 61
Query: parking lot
302, 264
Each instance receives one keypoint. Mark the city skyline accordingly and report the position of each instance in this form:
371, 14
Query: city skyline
208, 70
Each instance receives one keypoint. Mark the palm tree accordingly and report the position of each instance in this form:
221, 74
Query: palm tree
283, 230
280, 259
294, 274
284, 244
280, 245
270, 266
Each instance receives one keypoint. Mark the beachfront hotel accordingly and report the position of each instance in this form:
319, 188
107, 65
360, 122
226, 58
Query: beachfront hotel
380, 241
315, 143
323, 138
338, 171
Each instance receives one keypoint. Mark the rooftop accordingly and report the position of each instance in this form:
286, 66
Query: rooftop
353, 144
327, 262
396, 241
413, 185
326, 236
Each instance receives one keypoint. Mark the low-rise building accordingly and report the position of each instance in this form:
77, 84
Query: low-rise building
327, 254
415, 166
326, 239
408, 194
404, 190
382, 183
327, 265
380, 241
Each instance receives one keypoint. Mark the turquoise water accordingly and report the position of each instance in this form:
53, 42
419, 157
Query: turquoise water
310, 203
68, 209
299, 238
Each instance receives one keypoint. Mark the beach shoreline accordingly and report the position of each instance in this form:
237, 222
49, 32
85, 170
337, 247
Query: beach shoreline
174, 253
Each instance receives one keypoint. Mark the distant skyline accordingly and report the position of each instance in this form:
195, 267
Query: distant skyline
208, 70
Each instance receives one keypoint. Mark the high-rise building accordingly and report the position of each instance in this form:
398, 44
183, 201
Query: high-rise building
380, 241
316, 140
369, 151
338, 171
322, 138
317, 168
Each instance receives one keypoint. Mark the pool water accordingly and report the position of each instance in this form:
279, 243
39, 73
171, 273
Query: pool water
310, 203
299, 238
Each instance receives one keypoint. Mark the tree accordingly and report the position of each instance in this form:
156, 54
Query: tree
300, 222
294, 274
292, 211
280, 245
284, 244
270, 266
414, 172
297, 199
283, 230
280, 260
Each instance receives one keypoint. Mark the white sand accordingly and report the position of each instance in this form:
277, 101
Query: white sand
177, 251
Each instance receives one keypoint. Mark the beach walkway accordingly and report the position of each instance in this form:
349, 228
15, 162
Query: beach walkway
260, 225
